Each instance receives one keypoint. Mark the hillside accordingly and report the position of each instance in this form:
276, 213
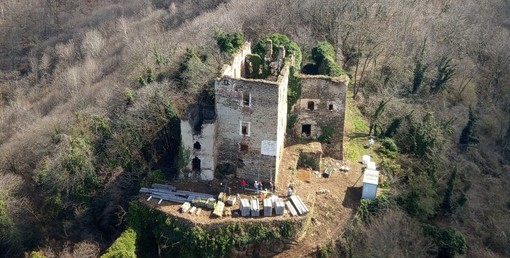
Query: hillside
91, 93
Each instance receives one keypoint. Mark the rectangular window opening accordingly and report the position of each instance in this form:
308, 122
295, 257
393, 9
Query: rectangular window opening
246, 99
330, 107
245, 128
311, 105
306, 130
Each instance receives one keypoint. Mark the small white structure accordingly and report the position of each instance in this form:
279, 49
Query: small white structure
370, 183
365, 159
245, 207
371, 165
254, 207
279, 206
268, 207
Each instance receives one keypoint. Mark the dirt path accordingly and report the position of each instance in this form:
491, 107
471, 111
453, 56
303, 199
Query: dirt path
332, 210
332, 200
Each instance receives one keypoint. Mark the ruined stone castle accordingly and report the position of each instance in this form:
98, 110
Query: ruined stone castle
246, 130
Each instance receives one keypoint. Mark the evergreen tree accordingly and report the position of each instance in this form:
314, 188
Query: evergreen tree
419, 69
445, 72
468, 135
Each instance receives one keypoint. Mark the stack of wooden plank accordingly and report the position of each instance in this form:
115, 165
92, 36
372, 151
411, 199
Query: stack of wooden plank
254, 207
245, 207
268, 207
300, 206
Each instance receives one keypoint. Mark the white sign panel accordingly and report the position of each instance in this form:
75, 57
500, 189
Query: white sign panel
268, 148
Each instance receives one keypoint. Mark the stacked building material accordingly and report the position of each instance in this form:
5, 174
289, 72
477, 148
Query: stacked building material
279, 206
165, 187
218, 209
268, 207
245, 207
185, 207
231, 200
291, 208
254, 207
300, 206
169, 193
204, 203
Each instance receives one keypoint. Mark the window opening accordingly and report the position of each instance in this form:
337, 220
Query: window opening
226, 82
306, 130
195, 164
243, 147
246, 99
330, 106
245, 128
197, 146
311, 105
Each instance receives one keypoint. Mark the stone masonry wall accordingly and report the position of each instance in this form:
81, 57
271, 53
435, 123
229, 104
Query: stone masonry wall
206, 139
261, 118
322, 104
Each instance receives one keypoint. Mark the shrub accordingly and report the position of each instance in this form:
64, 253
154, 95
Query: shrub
229, 42
256, 71
294, 92
9, 235
155, 176
291, 122
388, 148
368, 208
324, 56
421, 200
278, 39
327, 134
185, 240
449, 241
322, 51
124, 246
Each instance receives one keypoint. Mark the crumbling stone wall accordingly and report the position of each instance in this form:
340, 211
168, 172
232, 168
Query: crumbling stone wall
200, 145
261, 118
322, 104
251, 117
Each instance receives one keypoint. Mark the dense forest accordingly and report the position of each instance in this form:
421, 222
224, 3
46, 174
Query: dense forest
91, 92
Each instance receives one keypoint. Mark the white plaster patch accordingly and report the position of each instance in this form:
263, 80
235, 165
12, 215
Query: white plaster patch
207, 175
268, 148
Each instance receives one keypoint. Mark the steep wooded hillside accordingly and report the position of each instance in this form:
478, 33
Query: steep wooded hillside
90, 94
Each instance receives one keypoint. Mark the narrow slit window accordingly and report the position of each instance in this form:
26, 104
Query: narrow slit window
245, 128
311, 105
246, 99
